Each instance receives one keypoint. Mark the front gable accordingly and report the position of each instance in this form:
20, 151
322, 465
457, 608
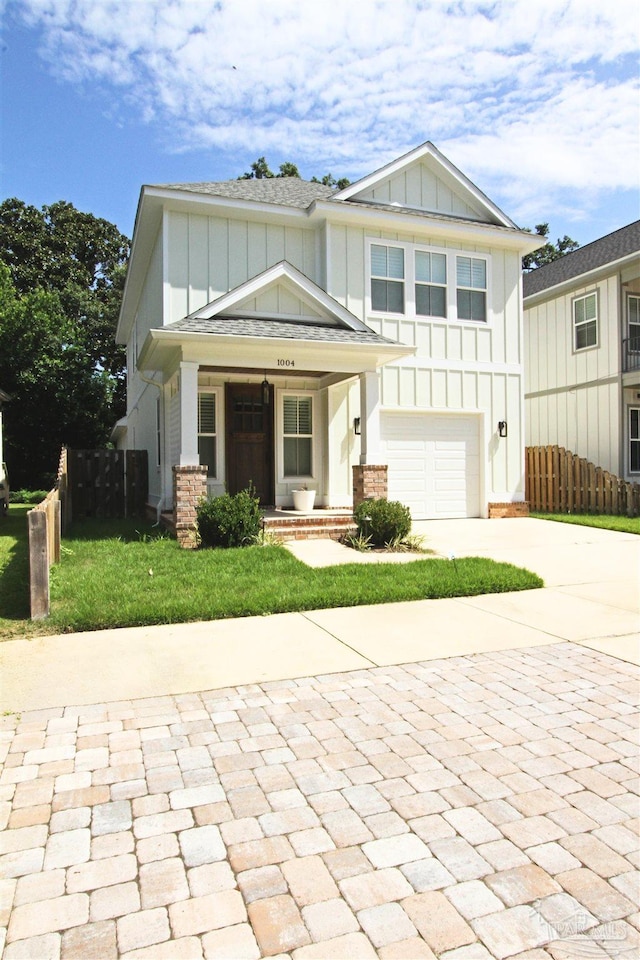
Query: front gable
425, 180
281, 293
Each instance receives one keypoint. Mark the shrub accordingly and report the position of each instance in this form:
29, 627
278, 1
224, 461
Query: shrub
27, 496
229, 521
383, 521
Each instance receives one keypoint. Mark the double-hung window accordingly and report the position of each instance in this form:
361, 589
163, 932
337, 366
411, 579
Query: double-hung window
297, 435
418, 281
431, 284
387, 278
471, 288
207, 433
634, 439
585, 321
633, 318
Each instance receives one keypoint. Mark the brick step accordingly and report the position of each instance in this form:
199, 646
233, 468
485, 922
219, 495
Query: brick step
312, 531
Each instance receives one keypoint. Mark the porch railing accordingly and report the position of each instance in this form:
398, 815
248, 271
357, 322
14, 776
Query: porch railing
631, 354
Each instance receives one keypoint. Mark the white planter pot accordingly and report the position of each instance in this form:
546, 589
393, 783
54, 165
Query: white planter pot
303, 500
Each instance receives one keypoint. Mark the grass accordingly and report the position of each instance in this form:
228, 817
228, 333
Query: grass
601, 520
118, 573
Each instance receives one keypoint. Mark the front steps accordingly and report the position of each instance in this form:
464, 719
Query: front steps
291, 525
317, 525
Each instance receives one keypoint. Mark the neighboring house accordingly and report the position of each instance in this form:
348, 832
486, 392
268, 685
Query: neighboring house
285, 334
582, 353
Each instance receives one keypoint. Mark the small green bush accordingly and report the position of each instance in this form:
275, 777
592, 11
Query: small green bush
229, 521
27, 496
383, 521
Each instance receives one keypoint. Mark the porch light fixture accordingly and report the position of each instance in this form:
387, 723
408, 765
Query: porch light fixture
502, 428
265, 389
356, 426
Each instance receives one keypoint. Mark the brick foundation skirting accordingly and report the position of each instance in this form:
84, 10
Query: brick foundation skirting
501, 510
189, 487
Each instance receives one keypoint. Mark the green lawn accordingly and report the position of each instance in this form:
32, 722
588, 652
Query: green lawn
605, 522
116, 574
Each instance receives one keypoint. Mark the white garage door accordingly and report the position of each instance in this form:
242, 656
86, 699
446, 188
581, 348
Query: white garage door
434, 464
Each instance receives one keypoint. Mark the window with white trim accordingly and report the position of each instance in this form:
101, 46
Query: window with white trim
297, 431
585, 321
634, 439
207, 433
158, 430
387, 278
417, 281
471, 288
633, 322
431, 284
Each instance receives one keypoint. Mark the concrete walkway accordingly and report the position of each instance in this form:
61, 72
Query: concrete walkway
592, 598
451, 779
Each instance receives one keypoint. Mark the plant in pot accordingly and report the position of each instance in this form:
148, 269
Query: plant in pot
303, 499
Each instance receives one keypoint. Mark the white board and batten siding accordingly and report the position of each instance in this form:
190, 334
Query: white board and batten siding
434, 463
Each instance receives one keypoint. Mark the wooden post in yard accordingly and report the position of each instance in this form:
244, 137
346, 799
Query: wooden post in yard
38, 564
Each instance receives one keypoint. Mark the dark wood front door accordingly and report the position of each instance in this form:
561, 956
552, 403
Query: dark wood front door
250, 440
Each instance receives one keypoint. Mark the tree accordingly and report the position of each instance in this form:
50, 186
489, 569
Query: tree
548, 252
330, 181
260, 171
58, 395
62, 282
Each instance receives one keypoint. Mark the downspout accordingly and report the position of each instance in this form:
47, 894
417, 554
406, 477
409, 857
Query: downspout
154, 383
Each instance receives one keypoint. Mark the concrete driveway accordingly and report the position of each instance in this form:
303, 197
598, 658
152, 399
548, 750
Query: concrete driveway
452, 779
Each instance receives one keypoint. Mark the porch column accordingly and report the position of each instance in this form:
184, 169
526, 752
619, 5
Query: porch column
370, 475
189, 414
369, 417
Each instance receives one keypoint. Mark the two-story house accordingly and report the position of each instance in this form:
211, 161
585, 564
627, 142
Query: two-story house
286, 334
582, 353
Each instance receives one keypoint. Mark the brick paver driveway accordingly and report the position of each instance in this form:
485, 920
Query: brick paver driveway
471, 807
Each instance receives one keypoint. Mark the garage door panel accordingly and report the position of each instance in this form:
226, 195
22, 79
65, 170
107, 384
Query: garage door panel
434, 464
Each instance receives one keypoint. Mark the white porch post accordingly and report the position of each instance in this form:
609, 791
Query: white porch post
189, 414
369, 417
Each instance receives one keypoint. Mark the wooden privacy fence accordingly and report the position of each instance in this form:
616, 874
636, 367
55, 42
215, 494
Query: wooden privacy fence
91, 483
107, 483
558, 481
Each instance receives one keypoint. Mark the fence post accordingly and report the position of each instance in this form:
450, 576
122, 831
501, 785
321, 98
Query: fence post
38, 564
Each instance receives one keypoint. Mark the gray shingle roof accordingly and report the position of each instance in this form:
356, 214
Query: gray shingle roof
286, 191
620, 243
276, 329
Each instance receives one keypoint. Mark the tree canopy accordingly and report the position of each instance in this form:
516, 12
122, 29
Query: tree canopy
548, 252
260, 171
62, 277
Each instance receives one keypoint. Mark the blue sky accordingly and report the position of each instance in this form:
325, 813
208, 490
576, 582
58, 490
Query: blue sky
537, 102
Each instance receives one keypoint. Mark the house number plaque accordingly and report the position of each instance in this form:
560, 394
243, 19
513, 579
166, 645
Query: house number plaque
286, 363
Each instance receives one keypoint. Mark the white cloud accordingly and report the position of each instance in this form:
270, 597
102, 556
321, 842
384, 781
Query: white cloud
537, 101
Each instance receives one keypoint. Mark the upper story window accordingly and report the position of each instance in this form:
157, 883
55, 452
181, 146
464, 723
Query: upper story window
633, 320
297, 432
387, 278
585, 321
422, 282
207, 433
471, 288
431, 284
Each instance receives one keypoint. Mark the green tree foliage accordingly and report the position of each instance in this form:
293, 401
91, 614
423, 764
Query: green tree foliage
62, 288
260, 171
548, 252
58, 395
